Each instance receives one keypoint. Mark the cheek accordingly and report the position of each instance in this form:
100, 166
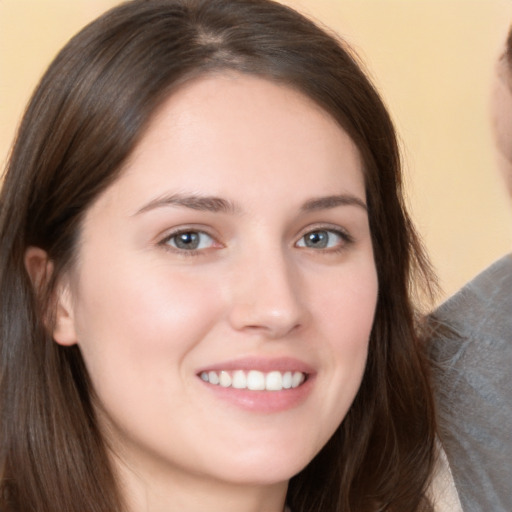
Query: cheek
348, 308
127, 319
351, 332
501, 118
347, 315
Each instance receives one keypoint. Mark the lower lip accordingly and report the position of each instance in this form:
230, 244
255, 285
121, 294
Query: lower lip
266, 402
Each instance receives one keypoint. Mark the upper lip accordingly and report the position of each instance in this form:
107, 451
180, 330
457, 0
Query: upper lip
265, 365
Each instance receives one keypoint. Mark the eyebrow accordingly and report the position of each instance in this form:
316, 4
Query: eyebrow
326, 203
192, 201
219, 205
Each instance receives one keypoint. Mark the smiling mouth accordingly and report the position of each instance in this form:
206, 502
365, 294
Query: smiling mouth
254, 380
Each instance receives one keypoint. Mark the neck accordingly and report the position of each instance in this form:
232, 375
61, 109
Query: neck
174, 491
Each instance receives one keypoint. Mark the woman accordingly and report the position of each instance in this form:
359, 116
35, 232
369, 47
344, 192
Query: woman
206, 265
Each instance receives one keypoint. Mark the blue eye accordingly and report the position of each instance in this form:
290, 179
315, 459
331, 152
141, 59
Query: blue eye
322, 239
190, 240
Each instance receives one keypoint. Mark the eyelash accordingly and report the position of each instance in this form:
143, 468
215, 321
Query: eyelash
185, 252
345, 237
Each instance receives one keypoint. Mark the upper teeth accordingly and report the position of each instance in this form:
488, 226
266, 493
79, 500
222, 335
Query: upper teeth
255, 380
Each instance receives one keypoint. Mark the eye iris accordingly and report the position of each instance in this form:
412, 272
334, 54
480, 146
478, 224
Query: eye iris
189, 240
317, 239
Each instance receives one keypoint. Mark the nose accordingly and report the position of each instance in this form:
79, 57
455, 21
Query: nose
266, 296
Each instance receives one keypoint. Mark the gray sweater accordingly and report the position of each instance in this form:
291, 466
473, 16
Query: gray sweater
473, 385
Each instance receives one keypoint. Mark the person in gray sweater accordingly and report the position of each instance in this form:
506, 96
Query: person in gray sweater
472, 352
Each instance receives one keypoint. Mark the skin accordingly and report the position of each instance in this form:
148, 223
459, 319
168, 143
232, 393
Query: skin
149, 316
501, 118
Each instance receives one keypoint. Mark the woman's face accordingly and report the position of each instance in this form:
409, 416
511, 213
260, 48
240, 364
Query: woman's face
225, 286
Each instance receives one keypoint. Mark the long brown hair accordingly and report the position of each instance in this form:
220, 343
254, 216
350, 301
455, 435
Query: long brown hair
83, 121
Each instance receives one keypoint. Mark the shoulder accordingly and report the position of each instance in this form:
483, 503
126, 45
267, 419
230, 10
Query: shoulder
475, 325
486, 301
472, 355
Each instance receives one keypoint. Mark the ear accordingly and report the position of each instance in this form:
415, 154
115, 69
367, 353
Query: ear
64, 332
40, 268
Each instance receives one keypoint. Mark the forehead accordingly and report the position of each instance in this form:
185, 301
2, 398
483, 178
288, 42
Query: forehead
237, 111
236, 135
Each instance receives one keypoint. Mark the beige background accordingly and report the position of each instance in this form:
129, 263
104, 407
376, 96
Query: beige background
433, 62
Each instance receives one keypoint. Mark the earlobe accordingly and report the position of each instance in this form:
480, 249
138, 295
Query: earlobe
40, 268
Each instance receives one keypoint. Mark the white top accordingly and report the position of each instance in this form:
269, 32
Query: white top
442, 491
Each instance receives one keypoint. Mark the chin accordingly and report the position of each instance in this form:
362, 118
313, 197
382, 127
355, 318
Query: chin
266, 469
